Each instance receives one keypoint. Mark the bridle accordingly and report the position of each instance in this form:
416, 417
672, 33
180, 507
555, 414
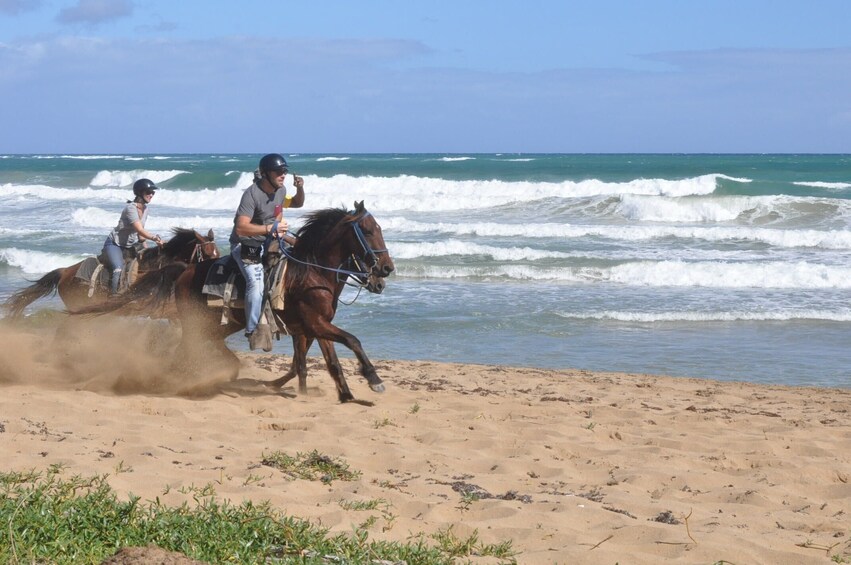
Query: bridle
361, 270
368, 251
199, 252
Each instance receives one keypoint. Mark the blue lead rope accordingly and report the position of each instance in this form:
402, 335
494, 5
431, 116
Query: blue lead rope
273, 233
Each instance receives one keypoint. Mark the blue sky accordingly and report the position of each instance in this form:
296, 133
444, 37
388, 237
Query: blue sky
116, 76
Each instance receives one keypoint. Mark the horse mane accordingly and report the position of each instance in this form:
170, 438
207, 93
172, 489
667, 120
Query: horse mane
316, 226
157, 256
310, 237
181, 237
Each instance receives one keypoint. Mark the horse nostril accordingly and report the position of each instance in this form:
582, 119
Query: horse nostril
387, 270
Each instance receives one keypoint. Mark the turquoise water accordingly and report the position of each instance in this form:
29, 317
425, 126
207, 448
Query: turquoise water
734, 267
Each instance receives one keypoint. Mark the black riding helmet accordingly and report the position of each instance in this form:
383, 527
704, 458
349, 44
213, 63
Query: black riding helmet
272, 162
142, 186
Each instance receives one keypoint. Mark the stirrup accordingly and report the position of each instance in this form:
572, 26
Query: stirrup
261, 338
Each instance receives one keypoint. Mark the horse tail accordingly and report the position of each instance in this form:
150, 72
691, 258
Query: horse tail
150, 291
46, 285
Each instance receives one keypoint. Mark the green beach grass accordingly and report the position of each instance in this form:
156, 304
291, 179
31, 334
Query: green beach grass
49, 518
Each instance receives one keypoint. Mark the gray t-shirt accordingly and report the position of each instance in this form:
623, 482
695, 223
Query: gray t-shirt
123, 235
262, 208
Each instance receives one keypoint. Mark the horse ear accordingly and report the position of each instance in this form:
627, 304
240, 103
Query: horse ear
210, 235
358, 206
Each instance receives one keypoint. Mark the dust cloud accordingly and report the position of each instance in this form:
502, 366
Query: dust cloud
107, 354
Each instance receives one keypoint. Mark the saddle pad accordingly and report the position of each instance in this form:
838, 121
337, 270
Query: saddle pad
218, 276
87, 269
278, 285
224, 286
96, 274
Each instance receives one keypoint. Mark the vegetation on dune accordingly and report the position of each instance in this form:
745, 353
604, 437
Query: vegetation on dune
48, 518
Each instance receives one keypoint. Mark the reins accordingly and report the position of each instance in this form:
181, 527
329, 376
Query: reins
360, 276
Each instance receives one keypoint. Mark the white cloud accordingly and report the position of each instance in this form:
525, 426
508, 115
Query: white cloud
243, 94
95, 11
15, 7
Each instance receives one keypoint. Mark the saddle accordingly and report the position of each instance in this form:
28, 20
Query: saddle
94, 272
224, 288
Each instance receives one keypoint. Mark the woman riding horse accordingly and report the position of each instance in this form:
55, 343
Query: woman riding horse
130, 231
186, 246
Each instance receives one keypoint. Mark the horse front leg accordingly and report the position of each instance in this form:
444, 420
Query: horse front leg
332, 362
328, 331
367, 369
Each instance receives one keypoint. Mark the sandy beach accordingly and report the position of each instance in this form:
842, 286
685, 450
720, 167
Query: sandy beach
571, 466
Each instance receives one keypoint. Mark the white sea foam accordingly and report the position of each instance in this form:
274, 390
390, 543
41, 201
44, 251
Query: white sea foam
477, 252
830, 185
688, 209
418, 194
832, 239
244, 181
36, 262
92, 217
732, 316
90, 157
221, 199
736, 179
127, 178
423, 194
658, 274
221, 225
207, 199
775, 274
454, 159
443, 248
42, 192
320, 159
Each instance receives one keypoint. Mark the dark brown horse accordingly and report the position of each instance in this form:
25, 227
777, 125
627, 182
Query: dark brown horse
186, 245
332, 246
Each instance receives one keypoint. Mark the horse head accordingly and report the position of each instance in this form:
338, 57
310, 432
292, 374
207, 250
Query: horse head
206, 247
189, 246
371, 252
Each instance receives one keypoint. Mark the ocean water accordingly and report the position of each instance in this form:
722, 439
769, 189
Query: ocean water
731, 267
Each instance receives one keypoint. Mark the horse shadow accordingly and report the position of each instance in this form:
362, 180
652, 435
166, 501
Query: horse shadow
246, 387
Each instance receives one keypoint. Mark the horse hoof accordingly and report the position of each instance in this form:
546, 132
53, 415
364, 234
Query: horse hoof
377, 388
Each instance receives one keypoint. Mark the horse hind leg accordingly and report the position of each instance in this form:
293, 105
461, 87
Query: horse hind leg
301, 362
298, 367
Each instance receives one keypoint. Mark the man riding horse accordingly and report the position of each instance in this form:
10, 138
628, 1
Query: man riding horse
258, 219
